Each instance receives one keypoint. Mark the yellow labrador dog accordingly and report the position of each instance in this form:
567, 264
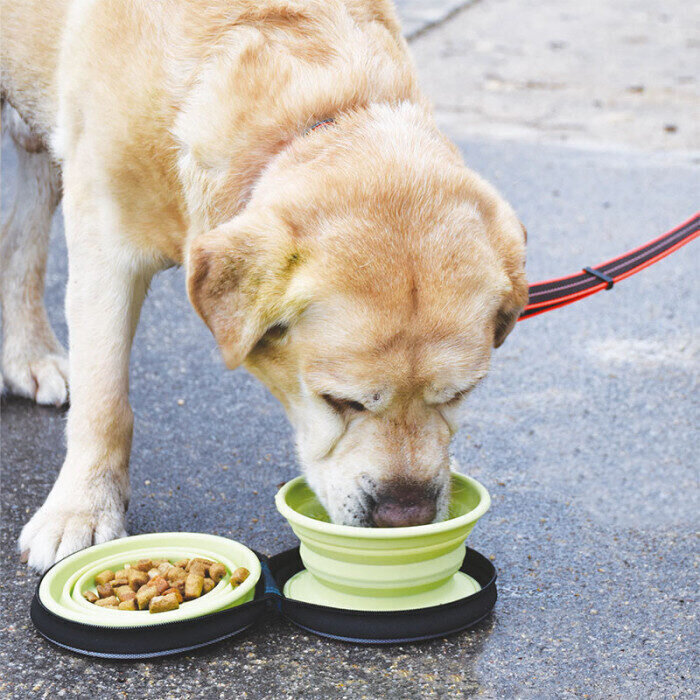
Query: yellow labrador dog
334, 242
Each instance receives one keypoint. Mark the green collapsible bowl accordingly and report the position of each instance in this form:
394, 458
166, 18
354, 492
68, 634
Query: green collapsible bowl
381, 568
61, 589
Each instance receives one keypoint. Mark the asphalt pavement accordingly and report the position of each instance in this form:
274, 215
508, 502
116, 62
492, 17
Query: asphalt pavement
585, 433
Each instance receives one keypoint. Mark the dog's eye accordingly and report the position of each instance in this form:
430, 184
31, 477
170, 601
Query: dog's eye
276, 331
341, 405
273, 335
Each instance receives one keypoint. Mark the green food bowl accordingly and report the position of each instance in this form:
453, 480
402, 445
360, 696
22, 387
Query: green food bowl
381, 568
61, 590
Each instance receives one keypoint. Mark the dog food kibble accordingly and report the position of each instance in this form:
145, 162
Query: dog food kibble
198, 568
198, 561
193, 585
175, 592
104, 590
136, 578
239, 575
144, 595
111, 602
120, 578
158, 585
176, 574
163, 603
124, 593
164, 567
216, 572
104, 577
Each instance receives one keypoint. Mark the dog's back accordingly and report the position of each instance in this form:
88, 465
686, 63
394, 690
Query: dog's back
32, 34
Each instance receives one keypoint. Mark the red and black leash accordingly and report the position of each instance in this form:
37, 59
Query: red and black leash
552, 294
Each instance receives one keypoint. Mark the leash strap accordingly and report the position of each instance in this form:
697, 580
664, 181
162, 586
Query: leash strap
553, 294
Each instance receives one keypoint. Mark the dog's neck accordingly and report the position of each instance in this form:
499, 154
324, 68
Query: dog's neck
202, 177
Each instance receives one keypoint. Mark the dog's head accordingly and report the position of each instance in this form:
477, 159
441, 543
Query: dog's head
366, 283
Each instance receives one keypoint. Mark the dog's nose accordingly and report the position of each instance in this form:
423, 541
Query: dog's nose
391, 512
397, 514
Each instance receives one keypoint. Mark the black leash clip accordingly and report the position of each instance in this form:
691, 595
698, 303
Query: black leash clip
601, 276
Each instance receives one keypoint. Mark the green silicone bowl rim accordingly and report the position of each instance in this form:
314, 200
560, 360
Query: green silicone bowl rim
75, 566
384, 533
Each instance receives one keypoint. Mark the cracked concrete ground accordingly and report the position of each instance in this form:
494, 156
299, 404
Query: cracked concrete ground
595, 73
585, 434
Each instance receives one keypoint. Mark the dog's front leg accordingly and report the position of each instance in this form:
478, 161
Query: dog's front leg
107, 283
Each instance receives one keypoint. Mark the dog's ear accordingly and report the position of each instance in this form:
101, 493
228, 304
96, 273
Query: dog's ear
506, 318
238, 280
516, 299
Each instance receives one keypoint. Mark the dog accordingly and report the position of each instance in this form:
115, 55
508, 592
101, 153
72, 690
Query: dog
334, 241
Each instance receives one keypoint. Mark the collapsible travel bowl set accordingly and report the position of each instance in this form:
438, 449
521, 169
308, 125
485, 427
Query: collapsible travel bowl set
363, 585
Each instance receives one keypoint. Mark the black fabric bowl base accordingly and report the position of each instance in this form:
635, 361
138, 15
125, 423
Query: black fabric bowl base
152, 641
363, 627
171, 651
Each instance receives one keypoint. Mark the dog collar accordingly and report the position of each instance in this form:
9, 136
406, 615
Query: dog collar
318, 125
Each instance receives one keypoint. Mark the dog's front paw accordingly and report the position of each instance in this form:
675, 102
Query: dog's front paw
41, 377
69, 521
